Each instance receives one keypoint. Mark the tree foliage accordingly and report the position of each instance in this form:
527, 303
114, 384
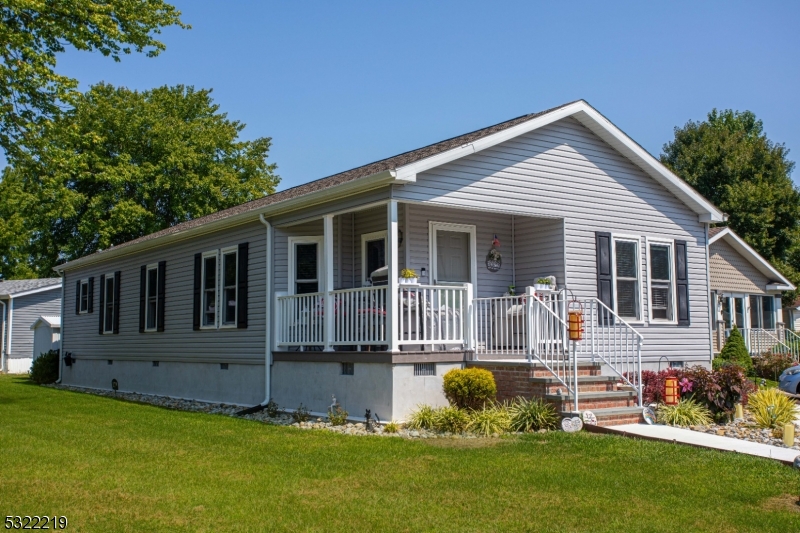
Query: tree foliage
33, 32
121, 164
729, 160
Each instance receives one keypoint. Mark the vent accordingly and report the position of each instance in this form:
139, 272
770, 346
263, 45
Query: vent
110, 362
424, 369
223, 366
676, 364
348, 369
155, 363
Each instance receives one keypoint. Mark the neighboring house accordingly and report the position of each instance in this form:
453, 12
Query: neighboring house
296, 297
745, 291
22, 302
791, 316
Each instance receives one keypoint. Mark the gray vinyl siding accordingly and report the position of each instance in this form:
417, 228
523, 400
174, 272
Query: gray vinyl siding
564, 170
179, 342
26, 310
280, 254
730, 272
539, 250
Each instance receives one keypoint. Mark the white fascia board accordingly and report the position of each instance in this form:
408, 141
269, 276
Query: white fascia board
32, 291
291, 204
755, 259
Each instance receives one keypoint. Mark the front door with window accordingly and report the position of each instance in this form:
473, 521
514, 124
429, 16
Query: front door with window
453, 250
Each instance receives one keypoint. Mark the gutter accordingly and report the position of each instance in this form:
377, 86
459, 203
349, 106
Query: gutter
268, 314
3, 339
63, 323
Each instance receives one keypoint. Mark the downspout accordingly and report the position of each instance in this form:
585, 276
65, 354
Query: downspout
268, 321
711, 307
9, 327
63, 323
513, 253
3, 339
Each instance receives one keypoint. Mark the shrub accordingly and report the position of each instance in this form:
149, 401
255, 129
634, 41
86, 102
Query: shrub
491, 419
272, 408
735, 352
771, 364
391, 427
301, 414
422, 418
686, 413
469, 388
654, 383
532, 415
44, 369
337, 415
450, 419
721, 389
772, 409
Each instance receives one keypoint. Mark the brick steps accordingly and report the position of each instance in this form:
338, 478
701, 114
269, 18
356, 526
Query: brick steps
615, 416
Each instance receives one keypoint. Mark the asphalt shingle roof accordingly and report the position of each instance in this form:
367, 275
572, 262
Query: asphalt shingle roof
16, 286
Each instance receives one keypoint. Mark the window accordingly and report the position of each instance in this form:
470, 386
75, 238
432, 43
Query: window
373, 253
304, 264
84, 296
108, 306
762, 312
661, 282
209, 294
151, 292
626, 275
229, 283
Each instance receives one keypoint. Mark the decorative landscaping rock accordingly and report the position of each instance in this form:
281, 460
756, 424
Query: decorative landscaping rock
746, 429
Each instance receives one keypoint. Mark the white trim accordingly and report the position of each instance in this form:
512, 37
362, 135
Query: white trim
365, 238
221, 284
639, 319
105, 302
10, 326
203, 257
50, 321
32, 291
319, 240
84, 281
433, 227
673, 290
755, 259
147, 269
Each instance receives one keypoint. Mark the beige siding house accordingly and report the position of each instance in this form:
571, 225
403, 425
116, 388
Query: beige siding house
298, 296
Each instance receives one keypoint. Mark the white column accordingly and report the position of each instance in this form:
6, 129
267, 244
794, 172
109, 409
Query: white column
392, 319
327, 254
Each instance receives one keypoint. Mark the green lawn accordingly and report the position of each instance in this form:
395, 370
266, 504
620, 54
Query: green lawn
110, 465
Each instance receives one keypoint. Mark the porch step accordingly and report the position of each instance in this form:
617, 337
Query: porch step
614, 416
586, 384
593, 400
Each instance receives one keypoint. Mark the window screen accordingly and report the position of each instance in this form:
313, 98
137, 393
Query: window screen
660, 282
210, 291
627, 270
306, 268
229, 288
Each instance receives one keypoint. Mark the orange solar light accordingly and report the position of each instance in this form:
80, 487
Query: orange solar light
671, 394
575, 325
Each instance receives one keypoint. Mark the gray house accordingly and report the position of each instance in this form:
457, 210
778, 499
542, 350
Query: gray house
297, 296
22, 303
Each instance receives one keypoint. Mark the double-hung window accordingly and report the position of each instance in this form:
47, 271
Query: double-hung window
209, 289
151, 292
84, 297
626, 274
221, 288
229, 283
373, 253
304, 264
109, 306
762, 312
661, 281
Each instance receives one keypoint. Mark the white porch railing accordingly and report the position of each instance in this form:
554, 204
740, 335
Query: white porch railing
779, 340
300, 319
433, 315
360, 316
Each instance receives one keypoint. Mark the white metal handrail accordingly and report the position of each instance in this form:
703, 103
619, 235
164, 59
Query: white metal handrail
432, 315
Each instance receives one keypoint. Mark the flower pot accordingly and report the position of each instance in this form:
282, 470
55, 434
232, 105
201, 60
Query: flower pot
542, 287
408, 281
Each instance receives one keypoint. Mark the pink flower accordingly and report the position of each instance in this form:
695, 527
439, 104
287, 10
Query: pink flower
686, 385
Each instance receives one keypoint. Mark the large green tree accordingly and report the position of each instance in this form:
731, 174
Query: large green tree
121, 164
729, 160
34, 32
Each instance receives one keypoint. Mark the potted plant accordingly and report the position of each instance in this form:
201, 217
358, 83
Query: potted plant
408, 277
543, 284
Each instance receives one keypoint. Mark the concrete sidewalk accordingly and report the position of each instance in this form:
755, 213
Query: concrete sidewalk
705, 440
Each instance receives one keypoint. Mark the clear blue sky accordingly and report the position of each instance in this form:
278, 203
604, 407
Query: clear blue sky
340, 84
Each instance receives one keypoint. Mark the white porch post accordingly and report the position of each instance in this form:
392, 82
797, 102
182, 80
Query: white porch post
392, 321
327, 254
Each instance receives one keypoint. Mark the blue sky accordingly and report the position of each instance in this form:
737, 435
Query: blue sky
340, 84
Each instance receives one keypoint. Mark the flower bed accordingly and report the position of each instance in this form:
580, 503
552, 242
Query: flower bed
747, 429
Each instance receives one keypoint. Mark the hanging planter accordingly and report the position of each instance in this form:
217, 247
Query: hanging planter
493, 259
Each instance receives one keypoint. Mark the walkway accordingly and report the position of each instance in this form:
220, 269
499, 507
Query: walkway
705, 440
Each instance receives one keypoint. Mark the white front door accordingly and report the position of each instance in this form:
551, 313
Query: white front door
452, 254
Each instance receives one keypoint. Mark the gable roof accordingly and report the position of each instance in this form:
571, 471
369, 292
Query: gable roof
779, 281
51, 321
404, 167
20, 287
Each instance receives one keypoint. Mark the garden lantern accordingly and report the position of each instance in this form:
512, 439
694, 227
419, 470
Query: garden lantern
575, 325
671, 394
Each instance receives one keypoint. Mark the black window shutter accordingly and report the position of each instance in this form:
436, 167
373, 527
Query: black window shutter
682, 283
78, 298
162, 289
142, 296
102, 313
198, 264
117, 275
90, 308
241, 290
605, 283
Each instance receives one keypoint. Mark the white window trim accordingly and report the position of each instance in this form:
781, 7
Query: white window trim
673, 291
84, 281
638, 240
203, 325
319, 240
365, 238
221, 286
147, 269
105, 302
433, 227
